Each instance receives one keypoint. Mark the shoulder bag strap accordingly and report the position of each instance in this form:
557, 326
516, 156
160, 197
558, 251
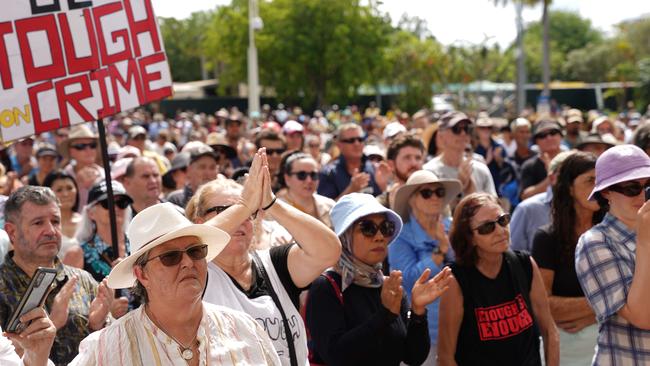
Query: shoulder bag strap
276, 300
337, 288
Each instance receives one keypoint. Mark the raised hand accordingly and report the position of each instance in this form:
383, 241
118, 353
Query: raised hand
119, 307
251, 196
100, 306
359, 181
267, 190
465, 172
391, 292
425, 291
59, 311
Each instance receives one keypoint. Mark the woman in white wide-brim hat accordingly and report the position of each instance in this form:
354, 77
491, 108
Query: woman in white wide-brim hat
168, 268
423, 242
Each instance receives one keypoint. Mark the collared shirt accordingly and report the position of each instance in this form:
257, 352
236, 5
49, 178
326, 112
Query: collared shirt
334, 178
13, 284
411, 253
605, 261
531, 214
225, 337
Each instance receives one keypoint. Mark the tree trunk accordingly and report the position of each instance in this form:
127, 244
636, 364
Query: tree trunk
546, 63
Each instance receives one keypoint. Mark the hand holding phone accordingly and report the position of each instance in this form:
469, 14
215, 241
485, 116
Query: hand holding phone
33, 298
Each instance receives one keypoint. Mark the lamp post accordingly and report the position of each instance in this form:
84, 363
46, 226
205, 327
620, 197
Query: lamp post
521, 65
254, 23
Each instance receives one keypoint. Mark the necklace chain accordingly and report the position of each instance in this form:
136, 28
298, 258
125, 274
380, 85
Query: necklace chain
186, 352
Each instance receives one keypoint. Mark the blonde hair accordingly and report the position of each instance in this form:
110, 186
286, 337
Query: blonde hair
195, 208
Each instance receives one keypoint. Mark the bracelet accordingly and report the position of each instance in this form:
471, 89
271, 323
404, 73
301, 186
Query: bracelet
270, 204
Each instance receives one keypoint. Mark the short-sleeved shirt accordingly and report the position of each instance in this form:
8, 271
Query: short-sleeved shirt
334, 178
605, 261
480, 174
549, 253
530, 214
13, 284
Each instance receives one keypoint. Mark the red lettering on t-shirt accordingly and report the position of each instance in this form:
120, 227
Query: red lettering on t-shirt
503, 320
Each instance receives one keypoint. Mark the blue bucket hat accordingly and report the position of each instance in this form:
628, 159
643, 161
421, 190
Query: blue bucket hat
354, 206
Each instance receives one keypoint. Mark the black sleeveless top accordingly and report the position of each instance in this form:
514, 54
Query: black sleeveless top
498, 326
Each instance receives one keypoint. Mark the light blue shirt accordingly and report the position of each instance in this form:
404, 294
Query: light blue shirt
411, 254
531, 214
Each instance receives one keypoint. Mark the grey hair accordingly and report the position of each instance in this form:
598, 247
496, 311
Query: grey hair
86, 228
138, 290
40, 196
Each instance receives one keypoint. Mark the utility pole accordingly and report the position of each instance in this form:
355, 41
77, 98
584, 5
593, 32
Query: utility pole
254, 23
521, 65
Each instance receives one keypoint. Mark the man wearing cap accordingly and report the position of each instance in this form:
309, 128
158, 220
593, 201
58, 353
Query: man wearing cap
46, 158
613, 258
454, 162
76, 304
534, 177
137, 137
351, 171
201, 169
228, 157
168, 269
574, 134
391, 131
81, 153
493, 152
597, 144
293, 134
22, 159
176, 175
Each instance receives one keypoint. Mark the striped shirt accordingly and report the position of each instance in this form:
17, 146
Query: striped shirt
605, 260
226, 337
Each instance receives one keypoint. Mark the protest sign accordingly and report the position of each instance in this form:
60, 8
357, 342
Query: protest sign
64, 62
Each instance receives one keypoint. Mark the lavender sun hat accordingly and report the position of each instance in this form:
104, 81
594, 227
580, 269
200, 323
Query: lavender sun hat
620, 164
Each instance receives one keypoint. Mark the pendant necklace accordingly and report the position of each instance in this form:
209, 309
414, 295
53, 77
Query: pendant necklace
186, 352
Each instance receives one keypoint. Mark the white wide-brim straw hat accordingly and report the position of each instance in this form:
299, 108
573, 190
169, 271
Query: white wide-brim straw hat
157, 225
421, 177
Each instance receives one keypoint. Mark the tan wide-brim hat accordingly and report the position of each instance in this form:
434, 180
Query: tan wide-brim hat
421, 177
77, 132
157, 225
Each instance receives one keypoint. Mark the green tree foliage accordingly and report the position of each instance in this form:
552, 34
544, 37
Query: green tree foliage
183, 44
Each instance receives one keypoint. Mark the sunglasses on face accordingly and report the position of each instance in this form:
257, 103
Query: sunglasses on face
352, 140
461, 127
632, 189
173, 257
488, 227
369, 228
275, 151
302, 175
122, 203
428, 193
220, 209
90, 145
545, 134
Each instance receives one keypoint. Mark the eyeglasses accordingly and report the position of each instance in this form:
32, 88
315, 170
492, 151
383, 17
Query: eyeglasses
631, 189
428, 193
457, 129
313, 146
90, 145
352, 140
220, 209
545, 134
302, 175
122, 203
369, 228
173, 257
488, 227
275, 151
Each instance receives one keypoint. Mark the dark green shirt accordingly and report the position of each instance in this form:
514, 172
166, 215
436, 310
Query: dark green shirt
13, 284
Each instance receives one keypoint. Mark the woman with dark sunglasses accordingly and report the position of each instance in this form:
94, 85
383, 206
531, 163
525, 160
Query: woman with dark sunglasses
263, 283
422, 203
613, 257
496, 306
355, 315
299, 176
554, 247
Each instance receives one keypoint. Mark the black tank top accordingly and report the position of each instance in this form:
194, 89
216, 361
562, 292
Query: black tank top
498, 326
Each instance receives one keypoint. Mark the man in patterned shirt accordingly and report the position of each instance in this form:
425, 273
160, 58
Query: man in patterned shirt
77, 304
613, 258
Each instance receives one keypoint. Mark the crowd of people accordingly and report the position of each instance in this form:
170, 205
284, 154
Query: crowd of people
344, 237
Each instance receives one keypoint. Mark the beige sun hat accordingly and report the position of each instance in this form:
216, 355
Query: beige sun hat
81, 131
401, 202
157, 225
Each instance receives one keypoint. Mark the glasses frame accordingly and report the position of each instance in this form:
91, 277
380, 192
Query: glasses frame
369, 228
302, 175
460, 127
427, 193
173, 257
629, 189
122, 203
221, 208
488, 227
81, 146
545, 134
275, 151
352, 140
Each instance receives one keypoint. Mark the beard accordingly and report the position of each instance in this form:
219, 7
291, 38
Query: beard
404, 175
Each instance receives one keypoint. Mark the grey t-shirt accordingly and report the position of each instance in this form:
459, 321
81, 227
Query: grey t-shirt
480, 174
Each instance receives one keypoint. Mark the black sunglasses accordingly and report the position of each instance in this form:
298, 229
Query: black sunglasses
488, 227
632, 189
352, 140
173, 257
545, 134
427, 192
90, 145
369, 228
275, 151
220, 209
457, 129
122, 203
302, 175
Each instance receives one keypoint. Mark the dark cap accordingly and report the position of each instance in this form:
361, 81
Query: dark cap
98, 192
180, 161
46, 150
546, 125
201, 150
594, 138
451, 119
